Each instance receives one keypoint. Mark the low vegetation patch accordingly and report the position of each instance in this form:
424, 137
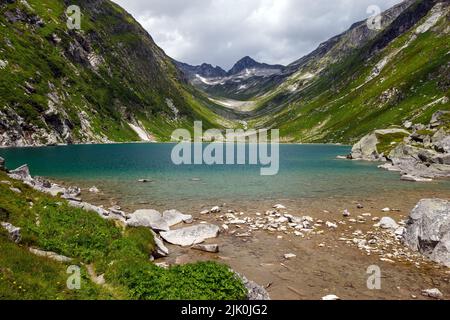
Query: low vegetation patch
387, 142
121, 254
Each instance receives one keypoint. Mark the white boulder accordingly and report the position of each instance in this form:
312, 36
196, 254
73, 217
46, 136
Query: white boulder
191, 235
148, 218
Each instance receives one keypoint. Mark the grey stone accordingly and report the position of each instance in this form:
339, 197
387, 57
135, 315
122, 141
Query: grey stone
15, 190
73, 192
441, 141
116, 214
428, 230
215, 209
330, 297
89, 207
2, 163
94, 189
148, 218
13, 232
174, 217
255, 292
161, 250
50, 255
212, 248
21, 173
436, 119
433, 293
388, 223
408, 177
191, 235
366, 148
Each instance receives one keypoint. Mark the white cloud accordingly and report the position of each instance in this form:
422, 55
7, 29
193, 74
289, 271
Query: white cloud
222, 31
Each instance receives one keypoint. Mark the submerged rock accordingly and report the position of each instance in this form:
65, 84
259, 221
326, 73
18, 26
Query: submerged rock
408, 177
428, 230
94, 189
148, 218
191, 235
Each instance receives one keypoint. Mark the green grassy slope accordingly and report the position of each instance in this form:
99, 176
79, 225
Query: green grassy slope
121, 254
343, 103
87, 85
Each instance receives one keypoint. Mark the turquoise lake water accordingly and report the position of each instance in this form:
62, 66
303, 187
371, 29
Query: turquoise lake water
306, 171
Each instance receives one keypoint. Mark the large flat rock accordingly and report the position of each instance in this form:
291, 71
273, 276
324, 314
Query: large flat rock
174, 217
191, 235
148, 218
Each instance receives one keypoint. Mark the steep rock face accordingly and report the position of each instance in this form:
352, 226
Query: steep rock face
204, 70
244, 80
248, 63
342, 45
68, 86
365, 79
420, 154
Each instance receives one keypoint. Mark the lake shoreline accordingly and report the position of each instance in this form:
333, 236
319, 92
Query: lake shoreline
321, 250
316, 253
155, 143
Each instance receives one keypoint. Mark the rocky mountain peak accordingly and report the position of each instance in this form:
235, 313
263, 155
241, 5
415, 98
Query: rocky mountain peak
249, 63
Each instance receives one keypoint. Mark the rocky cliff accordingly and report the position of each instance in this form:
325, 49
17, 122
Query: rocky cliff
419, 152
106, 82
365, 79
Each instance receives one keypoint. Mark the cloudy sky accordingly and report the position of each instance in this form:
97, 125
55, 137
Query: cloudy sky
221, 32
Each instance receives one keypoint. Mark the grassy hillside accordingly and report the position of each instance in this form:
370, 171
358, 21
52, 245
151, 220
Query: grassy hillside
120, 254
348, 99
61, 85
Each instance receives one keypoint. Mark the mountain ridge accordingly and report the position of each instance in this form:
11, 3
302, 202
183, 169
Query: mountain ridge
108, 82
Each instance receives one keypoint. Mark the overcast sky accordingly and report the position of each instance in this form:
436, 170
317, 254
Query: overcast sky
221, 32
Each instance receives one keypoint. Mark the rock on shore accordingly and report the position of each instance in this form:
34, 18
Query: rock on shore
428, 230
421, 154
148, 218
367, 147
191, 235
